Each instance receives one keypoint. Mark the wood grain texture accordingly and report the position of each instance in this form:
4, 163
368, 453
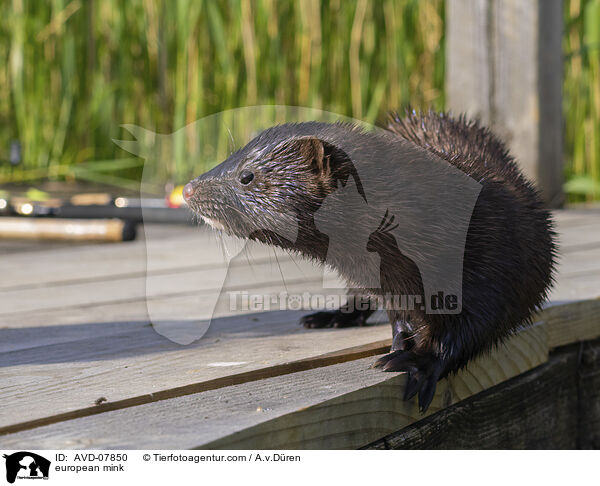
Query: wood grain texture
536, 410
137, 362
95, 261
276, 274
572, 322
339, 406
149, 363
589, 395
504, 65
582, 237
349, 420
70, 354
576, 215
180, 250
188, 421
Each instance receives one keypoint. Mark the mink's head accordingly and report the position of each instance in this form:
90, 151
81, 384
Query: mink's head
279, 179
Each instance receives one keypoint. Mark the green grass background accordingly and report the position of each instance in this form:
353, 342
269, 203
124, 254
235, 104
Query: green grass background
71, 71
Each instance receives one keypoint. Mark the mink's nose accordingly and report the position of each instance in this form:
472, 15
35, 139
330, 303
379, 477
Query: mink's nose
188, 191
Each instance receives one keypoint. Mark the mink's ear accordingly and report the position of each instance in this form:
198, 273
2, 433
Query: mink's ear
328, 161
310, 150
324, 159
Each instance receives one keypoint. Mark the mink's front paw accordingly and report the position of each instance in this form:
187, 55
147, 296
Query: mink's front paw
318, 320
334, 319
423, 372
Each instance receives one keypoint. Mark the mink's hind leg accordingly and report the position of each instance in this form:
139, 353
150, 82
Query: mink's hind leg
354, 313
423, 368
403, 338
423, 372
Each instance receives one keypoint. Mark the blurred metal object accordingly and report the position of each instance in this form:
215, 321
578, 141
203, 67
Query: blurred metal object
67, 229
97, 205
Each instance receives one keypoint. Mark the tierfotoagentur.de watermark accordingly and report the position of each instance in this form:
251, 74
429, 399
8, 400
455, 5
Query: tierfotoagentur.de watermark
240, 300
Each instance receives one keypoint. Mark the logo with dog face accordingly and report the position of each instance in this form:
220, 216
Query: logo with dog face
26, 465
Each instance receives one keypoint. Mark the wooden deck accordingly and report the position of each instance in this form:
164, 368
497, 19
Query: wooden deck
82, 366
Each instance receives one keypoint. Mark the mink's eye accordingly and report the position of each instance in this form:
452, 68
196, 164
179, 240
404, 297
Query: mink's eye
246, 177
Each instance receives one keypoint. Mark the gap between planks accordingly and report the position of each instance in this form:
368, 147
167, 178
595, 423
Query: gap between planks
335, 357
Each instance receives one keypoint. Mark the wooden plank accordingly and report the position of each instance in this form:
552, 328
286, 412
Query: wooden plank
579, 247
576, 288
100, 266
327, 359
467, 58
257, 277
84, 262
176, 248
181, 250
185, 248
588, 384
504, 65
536, 410
194, 281
138, 361
575, 216
350, 420
574, 264
132, 290
132, 360
572, 322
122, 358
339, 406
580, 238
268, 273
210, 414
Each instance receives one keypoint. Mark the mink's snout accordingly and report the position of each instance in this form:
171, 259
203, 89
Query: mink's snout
188, 191
197, 191
195, 195
203, 196
209, 184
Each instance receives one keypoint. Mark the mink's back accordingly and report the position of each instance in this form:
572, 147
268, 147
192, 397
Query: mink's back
467, 145
510, 248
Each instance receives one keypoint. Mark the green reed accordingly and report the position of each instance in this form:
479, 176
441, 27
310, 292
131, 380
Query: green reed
72, 71
581, 98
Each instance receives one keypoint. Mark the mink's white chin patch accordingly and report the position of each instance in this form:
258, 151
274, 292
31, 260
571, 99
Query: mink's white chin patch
213, 223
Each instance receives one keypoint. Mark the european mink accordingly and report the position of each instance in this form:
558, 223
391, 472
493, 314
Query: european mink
290, 172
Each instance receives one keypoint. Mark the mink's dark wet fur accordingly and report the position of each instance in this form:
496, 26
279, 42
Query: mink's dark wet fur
509, 251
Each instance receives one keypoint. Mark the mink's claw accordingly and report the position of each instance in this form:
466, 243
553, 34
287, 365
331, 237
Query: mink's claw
423, 372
